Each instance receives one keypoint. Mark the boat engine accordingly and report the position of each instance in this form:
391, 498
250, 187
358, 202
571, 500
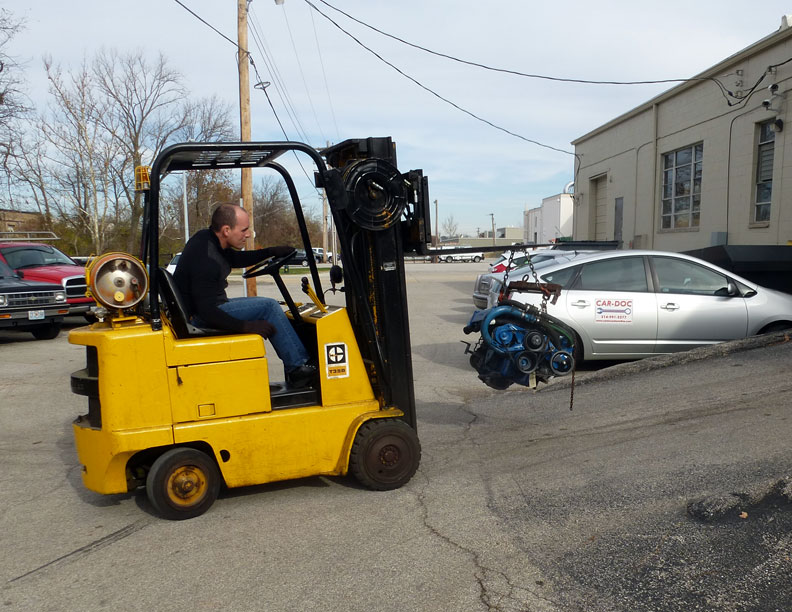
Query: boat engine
519, 344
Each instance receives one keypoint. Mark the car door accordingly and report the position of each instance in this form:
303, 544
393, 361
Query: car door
694, 307
611, 305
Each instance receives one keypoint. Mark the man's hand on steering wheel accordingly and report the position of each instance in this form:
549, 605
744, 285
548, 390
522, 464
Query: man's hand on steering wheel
270, 264
280, 251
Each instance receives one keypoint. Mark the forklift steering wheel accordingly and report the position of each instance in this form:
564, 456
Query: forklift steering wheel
267, 266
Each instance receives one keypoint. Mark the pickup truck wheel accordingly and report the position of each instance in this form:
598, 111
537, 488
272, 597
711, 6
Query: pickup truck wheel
183, 483
46, 332
385, 454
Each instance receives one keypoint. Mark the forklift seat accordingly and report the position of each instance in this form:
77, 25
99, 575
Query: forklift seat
177, 312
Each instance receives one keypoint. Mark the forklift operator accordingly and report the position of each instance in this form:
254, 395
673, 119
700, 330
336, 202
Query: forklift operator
201, 276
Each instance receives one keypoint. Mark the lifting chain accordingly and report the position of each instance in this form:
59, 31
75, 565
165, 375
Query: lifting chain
547, 290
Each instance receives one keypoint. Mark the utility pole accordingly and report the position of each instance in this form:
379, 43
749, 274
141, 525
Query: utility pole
325, 241
325, 244
437, 227
436, 258
492, 215
186, 222
244, 123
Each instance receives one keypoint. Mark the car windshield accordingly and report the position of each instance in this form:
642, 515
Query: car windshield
28, 256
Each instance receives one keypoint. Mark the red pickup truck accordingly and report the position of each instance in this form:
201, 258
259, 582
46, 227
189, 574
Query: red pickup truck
43, 262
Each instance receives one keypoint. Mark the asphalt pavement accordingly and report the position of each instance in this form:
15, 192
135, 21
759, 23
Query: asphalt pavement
666, 487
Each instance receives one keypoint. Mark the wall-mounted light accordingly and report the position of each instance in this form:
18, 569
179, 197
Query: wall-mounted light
778, 125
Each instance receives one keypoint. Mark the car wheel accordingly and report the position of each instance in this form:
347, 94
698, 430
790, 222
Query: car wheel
46, 332
449, 259
476, 259
385, 454
304, 263
183, 483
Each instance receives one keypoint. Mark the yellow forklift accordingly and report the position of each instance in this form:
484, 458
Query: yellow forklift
183, 411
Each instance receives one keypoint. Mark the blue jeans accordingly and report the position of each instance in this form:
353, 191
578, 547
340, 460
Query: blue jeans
285, 340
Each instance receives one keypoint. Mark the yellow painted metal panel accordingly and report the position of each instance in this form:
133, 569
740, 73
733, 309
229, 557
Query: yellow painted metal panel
343, 374
104, 455
234, 388
211, 349
133, 382
280, 445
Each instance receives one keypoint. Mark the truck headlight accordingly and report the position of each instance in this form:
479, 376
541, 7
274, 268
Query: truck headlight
60, 296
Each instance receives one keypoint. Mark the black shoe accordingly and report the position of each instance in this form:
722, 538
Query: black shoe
301, 376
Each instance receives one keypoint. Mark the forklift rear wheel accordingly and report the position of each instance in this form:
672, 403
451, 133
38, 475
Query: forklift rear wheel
183, 483
385, 454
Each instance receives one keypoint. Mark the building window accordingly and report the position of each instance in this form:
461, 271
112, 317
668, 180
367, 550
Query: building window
764, 172
682, 171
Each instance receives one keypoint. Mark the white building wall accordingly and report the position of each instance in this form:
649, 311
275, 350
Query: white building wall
551, 220
624, 158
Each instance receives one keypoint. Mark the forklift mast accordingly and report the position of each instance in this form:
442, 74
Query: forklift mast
380, 214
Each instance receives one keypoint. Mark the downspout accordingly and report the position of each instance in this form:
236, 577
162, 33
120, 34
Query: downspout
728, 166
656, 187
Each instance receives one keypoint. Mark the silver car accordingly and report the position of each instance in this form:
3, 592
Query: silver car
487, 286
633, 304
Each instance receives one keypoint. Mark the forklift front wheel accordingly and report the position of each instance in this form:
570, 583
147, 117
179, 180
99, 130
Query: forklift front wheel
183, 483
385, 454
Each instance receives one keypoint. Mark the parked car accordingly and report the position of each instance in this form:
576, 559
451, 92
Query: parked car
298, 259
45, 263
487, 286
634, 304
31, 306
451, 257
171, 267
319, 254
520, 259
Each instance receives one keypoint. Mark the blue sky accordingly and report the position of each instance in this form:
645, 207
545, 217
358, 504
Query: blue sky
338, 90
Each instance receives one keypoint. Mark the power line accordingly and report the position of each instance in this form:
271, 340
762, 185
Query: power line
324, 74
259, 80
517, 72
302, 73
434, 93
277, 79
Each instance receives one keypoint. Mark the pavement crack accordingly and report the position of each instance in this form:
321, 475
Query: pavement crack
74, 555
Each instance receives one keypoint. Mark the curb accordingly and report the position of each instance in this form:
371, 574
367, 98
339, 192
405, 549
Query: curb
671, 359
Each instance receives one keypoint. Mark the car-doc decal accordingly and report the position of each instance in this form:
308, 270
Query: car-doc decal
336, 360
613, 311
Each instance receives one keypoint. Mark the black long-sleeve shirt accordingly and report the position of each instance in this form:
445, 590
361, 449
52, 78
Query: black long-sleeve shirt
201, 276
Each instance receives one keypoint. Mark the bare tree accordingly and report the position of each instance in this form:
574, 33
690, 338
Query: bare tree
86, 151
28, 167
13, 102
450, 226
145, 108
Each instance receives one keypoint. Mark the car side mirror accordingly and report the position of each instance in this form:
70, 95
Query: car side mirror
19, 273
730, 290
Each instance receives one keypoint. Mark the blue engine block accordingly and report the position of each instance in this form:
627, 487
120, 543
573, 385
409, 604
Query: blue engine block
516, 341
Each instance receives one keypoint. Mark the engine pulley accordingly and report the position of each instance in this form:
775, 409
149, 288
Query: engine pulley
519, 344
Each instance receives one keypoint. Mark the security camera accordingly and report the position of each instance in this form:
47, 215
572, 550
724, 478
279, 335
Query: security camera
766, 103
773, 88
